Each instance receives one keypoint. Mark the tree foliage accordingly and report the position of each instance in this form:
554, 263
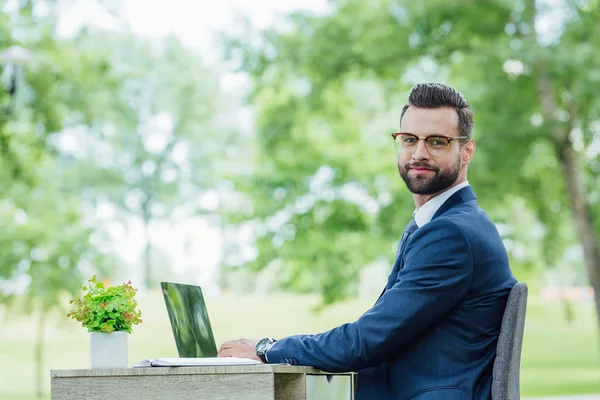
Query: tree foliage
157, 145
329, 89
92, 119
48, 86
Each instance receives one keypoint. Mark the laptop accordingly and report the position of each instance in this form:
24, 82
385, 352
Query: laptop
189, 320
191, 330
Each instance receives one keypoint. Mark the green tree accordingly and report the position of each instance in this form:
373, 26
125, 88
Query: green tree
528, 88
47, 86
45, 251
158, 143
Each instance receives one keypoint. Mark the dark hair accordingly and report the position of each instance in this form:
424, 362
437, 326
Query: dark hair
436, 95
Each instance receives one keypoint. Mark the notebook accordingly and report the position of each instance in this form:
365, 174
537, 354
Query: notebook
191, 362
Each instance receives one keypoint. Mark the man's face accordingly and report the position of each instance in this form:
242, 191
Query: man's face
424, 173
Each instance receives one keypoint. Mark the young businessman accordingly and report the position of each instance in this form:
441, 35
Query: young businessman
432, 333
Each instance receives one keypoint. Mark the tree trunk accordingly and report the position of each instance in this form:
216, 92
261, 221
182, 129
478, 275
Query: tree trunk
568, 309
567, 157
39, 354
577, 196
146, 217
581, 214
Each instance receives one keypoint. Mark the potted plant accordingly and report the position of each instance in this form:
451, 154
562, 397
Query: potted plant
109, 313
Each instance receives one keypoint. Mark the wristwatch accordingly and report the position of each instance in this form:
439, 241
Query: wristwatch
262, 346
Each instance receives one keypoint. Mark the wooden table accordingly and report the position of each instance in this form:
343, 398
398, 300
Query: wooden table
244, 382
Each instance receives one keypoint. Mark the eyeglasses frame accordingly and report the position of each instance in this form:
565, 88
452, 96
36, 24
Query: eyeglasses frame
427, 138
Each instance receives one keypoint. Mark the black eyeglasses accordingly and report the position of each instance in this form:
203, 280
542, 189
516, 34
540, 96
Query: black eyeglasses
437, 145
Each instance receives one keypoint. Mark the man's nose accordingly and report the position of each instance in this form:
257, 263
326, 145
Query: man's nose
421, 152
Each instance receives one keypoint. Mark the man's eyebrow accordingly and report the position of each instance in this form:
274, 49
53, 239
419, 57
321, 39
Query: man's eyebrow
426, 135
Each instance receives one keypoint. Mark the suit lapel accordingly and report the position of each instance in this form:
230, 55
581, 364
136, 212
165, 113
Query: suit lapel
463, 195
410, 228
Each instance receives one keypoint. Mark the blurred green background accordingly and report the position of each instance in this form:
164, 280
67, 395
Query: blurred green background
246, 148
558, 357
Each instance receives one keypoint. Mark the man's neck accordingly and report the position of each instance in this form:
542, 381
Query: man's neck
425, 213
421, 199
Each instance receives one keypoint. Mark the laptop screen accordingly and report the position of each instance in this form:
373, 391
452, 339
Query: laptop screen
189, 320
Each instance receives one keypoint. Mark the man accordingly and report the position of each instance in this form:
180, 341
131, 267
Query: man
432, 333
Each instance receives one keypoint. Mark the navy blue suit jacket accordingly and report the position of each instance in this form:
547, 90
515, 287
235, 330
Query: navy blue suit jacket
432, 334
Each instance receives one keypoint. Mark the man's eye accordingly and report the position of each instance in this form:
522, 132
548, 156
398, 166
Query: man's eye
410, 140
438, 142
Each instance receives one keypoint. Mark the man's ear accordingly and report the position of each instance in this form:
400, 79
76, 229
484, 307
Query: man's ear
469, 151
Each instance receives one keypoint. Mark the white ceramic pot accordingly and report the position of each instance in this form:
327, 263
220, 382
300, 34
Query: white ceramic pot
108, 350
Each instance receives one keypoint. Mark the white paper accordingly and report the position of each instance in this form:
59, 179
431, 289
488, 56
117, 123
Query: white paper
189, 362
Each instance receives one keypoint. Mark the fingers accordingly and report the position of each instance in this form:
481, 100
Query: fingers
237, 342
238, 348
228, 348
226, 345
225, 353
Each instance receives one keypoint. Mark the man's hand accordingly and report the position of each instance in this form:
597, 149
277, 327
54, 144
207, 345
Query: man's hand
241, 348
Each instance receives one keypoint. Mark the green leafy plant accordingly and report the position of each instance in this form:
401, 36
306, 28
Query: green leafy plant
111, 309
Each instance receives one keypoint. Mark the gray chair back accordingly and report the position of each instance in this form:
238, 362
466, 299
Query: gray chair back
507, 365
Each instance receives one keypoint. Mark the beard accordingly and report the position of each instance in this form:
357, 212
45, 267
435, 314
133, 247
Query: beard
420, 184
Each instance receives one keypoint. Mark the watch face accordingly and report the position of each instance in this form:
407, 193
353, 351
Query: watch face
263, 345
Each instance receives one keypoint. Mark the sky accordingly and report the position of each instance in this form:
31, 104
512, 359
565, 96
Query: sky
194, 21
194, 245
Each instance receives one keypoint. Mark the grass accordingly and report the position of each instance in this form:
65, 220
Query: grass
558, 358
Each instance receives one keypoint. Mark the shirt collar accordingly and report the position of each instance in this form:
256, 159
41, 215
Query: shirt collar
424, 213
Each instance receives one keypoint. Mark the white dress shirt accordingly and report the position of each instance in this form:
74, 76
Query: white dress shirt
424, 213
